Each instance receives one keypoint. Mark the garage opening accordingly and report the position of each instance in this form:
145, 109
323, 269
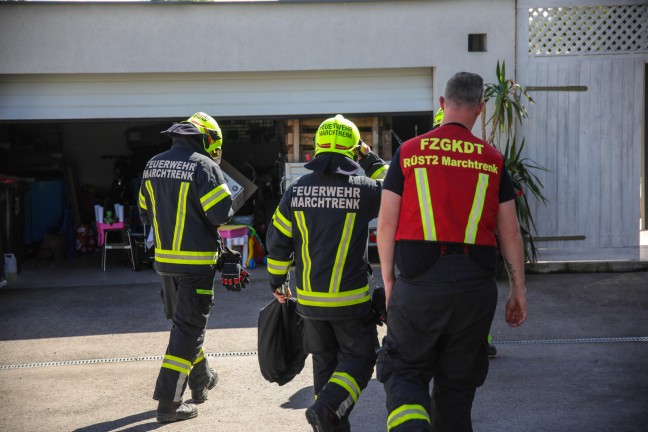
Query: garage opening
53, 173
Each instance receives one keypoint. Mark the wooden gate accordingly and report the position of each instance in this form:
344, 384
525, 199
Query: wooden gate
585, 67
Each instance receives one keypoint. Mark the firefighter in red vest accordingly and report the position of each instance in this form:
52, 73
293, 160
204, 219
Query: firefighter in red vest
491, 349
445, 196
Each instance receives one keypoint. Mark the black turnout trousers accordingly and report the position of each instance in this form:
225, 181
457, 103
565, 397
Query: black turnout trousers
344, 356
438, 325
184, 361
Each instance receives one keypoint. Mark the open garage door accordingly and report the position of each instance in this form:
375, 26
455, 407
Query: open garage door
129, 96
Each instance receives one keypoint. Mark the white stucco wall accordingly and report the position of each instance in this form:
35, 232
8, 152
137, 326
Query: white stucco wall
119, 38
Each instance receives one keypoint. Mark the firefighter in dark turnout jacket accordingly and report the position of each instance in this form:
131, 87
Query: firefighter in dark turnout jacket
446, 195
184, 198
322, 224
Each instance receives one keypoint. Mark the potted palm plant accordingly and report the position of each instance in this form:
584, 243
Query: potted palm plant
509, 110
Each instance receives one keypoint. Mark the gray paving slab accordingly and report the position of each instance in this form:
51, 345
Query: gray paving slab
80, 350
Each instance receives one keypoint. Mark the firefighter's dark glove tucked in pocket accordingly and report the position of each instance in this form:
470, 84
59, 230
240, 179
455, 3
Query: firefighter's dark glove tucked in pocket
378, 306
233, 276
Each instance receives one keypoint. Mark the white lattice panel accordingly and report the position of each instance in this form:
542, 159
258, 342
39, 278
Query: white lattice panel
588, 30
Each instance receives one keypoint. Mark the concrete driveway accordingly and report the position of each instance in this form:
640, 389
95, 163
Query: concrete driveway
80, 350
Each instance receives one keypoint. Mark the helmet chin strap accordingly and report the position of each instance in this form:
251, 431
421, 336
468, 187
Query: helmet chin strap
215, 154
205, 142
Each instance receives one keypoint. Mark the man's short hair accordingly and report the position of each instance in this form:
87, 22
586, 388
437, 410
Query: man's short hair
465, 88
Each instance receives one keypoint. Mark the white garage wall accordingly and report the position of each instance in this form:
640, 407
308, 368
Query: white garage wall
110, 96
171, 38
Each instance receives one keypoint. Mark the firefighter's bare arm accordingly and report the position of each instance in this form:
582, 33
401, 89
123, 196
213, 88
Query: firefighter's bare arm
508, 231
387, 225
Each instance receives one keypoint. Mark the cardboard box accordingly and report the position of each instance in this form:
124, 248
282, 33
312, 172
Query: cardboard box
239, 185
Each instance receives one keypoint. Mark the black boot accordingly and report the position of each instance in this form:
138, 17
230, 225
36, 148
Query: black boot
322, 419
174, 411
492, 351
199, 396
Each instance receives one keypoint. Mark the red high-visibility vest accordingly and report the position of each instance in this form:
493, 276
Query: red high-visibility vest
451, 192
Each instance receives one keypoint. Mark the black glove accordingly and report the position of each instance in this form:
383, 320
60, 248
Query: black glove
378, 306
233, 276
362, 150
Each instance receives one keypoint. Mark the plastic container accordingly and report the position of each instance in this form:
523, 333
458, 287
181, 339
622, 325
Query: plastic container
10, 267
233, 231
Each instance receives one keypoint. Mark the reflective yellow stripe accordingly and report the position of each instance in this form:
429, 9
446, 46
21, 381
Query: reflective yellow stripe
177, 364
425, 204
342, 251
142, 200
305, 256
277, 267
185, 257
348, 383
282, 224
325, 299
477, 208
201, 357
149, 188
406, 413
204, 292
380, 173
213, 197
180, 216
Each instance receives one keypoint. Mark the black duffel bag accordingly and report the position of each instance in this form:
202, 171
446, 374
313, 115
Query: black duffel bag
280, 342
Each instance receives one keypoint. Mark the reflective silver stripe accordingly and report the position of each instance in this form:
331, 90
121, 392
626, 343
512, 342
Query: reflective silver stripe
380, 173
183, 367
305, 255
342, 251
186, 257
201, 355
149, 188
406, 413
179, 366
282, 223
180, 386
142, 200
347, 382
425, 204
325, 299
344, 406
337, 299
180, 215
278, 267
212, 198
477, 208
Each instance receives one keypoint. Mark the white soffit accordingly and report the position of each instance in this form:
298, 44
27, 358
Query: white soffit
120, 96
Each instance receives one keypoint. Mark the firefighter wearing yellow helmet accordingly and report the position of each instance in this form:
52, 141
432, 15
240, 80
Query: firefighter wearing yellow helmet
438, 118
321, 224
337, 135
184, 198
211, 134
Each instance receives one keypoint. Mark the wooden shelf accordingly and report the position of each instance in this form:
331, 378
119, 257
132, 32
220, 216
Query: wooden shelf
304, 129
